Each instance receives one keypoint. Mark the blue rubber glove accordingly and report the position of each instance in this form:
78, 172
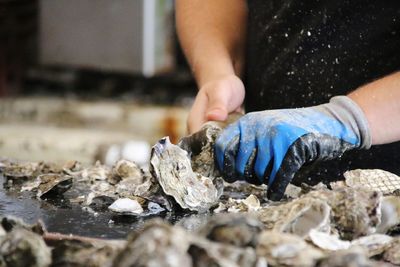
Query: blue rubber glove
271, 146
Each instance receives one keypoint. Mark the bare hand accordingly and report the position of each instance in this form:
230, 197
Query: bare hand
215, 101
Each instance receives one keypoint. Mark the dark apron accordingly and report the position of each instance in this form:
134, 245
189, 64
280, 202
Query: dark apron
302, 52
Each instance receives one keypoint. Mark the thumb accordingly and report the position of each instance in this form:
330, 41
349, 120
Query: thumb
217, 109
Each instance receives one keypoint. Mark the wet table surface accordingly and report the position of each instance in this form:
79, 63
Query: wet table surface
63, 217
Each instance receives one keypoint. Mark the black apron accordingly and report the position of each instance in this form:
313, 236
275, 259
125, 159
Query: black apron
302, 52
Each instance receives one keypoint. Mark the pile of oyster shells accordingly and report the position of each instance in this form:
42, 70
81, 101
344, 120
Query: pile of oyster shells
353, 223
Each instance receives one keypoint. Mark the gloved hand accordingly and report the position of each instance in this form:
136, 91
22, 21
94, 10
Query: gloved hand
271, 146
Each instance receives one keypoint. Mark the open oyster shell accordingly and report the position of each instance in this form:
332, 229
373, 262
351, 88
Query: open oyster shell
171, 166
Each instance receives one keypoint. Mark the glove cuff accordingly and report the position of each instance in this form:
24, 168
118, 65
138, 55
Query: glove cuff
348, 112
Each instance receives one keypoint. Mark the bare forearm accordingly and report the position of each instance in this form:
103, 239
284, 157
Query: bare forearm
211, 33
380, 101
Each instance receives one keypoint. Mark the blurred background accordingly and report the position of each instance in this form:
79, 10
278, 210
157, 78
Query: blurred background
90, 79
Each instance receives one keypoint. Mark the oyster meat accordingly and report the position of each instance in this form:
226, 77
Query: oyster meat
171, 166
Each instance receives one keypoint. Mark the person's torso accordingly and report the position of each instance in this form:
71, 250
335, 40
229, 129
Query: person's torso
302, 52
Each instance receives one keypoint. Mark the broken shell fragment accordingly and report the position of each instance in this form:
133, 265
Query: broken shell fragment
53, 184
171, 166
373, 179
390, 214
124, 169
126, 206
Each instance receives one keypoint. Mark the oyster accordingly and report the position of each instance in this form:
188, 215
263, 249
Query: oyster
20, 246
390, 214
373, 179
172, 168
298, 216
81, 254
205, 253
126, 206
18, 173
355, 257
285, 249
234, 229
98, 172
392, 253
158, 244
53, 184
249, 204
124, 169
355, 211
200, 145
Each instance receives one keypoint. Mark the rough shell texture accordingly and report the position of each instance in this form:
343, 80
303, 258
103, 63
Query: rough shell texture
21, 245
392, 253
240, 230
298, 216
172, 168
286, 249
200, 145
124, 169
82, 254
373, 179
364, 206
158, 244
53, 184
355, 257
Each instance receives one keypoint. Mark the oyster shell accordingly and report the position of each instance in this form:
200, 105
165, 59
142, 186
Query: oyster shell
249, 204
355, 211
126, 206
17, 173
355, 257
200, 145
158, 244
298, 216
281, 249
20, 246
390, 214
98, 172
172, 168
205, 253
81, 254
392, 253
53, 184
125, 169
373, 179
234, 229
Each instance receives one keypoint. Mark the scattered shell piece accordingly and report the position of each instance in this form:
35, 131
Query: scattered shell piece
98, 172
373, 179
126, 169
172, 168
53, 184
126, 206
286, 249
